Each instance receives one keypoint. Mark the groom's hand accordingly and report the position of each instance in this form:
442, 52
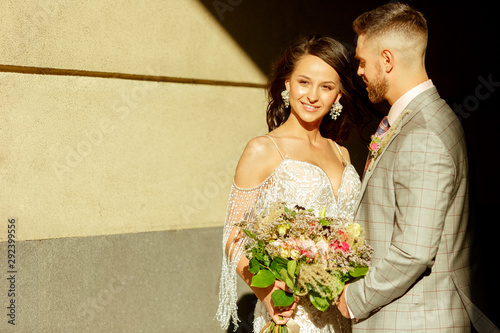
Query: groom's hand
342, 304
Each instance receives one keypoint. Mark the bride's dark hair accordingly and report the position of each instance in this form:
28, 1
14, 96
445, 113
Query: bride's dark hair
334, 54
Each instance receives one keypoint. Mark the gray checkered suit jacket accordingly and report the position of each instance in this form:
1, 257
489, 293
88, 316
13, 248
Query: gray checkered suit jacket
414, 208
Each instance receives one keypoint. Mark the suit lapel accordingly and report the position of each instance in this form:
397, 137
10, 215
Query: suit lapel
407, 114
410, 111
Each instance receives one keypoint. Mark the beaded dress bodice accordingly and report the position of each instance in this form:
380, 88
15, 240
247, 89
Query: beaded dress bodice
307, 185
295, 183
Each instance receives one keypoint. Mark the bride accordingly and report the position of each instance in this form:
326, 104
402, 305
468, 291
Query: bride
298, 162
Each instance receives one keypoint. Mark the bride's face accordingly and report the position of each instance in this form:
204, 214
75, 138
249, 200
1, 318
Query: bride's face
314, 86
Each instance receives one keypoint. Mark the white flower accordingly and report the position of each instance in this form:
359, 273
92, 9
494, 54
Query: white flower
322, 246
354, 229
294, 254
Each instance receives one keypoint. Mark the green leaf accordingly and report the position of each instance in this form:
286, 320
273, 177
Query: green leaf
254, 266
323, 212
342, 277
266, 259
340, 285
319, 302
250, 234
291, 269
291, 212
359, 271
281, 261
264, 278
283, 274
324, 222
277, 265
258, 254
290, 283
282, 298
291, 266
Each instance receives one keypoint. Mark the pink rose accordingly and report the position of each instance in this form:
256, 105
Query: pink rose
308, 247
307, 244
373, 146
344, 247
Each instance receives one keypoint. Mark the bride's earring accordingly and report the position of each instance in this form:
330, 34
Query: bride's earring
335, 110
285, 96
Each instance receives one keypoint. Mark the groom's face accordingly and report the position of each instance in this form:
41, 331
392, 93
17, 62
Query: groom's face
370, 69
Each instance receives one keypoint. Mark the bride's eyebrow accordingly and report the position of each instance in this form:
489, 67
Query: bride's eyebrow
303, 76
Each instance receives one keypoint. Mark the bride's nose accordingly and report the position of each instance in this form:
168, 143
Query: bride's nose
312, 94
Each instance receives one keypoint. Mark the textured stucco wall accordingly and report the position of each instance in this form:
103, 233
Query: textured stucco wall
89, 156
85, 155
121, 124
179, 36
152, 282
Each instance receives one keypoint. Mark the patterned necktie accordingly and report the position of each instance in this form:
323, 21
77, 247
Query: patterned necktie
380, 133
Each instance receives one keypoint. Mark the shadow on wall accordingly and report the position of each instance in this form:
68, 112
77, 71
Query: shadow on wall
263, 29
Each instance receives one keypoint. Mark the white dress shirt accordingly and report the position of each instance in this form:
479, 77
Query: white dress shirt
398, 107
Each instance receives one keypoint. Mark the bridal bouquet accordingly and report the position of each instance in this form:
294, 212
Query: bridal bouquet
313, 255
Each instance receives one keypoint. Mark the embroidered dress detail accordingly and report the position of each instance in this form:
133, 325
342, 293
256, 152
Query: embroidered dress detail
296, 183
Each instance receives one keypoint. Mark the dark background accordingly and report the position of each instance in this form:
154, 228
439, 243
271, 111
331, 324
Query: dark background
462, 55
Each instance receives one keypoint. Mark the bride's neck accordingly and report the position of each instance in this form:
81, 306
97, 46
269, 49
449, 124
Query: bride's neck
301, 129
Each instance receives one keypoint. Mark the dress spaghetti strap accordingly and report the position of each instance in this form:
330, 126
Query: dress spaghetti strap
277, 147
344, 161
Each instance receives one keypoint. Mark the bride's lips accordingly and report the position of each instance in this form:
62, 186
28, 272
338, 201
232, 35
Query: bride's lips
310, 108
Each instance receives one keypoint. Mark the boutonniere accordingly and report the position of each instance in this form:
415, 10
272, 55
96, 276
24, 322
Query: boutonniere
378, 145
374, 146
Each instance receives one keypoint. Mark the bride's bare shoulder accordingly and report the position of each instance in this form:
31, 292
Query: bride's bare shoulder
257, 162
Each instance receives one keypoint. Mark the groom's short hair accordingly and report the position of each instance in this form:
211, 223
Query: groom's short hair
393, 19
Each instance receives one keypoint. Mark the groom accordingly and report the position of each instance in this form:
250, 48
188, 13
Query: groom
414, 197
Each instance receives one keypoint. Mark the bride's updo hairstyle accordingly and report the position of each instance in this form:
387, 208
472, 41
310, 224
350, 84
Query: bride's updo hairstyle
334, 54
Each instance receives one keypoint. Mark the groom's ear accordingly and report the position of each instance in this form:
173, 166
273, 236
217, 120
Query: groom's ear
387, 60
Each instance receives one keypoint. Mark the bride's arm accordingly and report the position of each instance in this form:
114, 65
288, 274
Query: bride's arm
257, 162
280, 316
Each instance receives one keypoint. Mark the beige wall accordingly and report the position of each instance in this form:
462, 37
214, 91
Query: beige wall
86, 156
177, 38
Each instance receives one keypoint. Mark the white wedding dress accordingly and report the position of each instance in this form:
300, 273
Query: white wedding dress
296, 183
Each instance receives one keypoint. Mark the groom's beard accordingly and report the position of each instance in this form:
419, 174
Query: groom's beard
377, 89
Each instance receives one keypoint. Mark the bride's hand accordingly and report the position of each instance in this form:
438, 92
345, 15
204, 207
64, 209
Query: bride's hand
264, 294
280, 315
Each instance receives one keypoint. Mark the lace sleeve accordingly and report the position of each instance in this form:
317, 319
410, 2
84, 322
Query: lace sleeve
241, 204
